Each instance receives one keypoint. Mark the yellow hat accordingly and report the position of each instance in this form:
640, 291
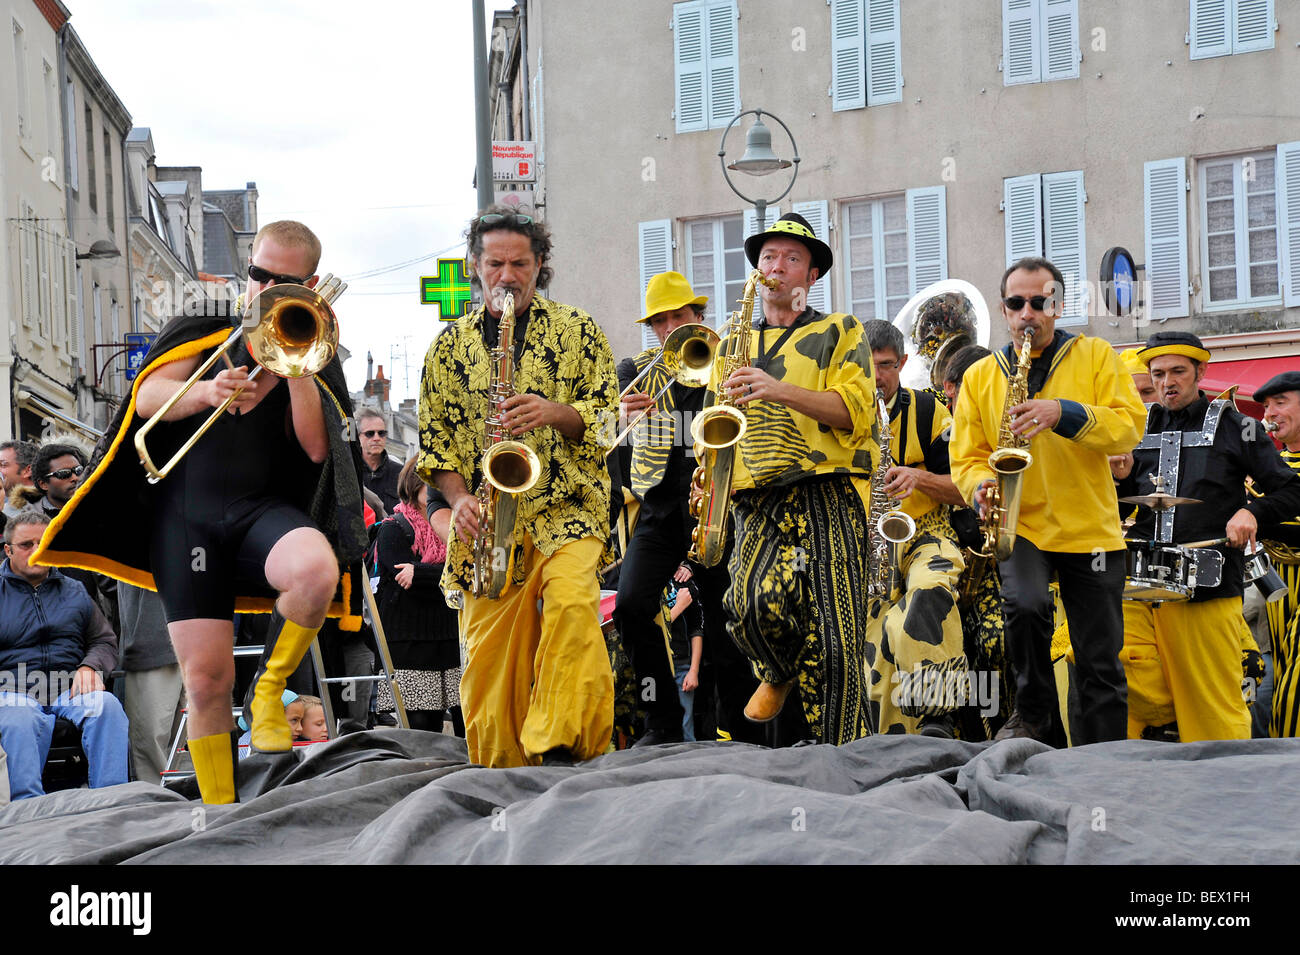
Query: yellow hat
1132, 364
667, 292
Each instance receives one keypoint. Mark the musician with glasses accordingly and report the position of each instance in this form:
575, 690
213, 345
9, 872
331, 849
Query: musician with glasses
663, 461
537, 685
1081, 407
260, 515
381, 471
1183, 658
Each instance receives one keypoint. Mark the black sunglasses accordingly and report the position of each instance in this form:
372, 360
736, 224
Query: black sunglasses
1017, 302
510, 218
371, 434
259, 274
64, 473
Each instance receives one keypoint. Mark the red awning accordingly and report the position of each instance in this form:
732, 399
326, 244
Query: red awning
1250, 374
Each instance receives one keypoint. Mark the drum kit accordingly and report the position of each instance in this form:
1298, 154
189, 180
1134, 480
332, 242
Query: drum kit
1159, 572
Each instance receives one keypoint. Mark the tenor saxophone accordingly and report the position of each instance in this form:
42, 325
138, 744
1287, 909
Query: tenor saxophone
717, 430
510, 468
888, 528
1009, 461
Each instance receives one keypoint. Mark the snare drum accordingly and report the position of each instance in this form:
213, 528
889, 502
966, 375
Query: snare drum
1159, 572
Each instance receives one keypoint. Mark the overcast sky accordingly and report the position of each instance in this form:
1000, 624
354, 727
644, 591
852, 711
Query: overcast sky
361, 125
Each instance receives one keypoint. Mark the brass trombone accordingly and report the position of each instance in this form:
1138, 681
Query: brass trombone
687, 355
291, 332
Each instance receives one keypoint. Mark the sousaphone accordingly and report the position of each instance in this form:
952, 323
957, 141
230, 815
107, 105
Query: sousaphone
936, 322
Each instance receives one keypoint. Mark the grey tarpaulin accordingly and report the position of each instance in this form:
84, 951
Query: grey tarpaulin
408, 796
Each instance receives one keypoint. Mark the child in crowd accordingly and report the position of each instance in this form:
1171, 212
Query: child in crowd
313, 727
293, 712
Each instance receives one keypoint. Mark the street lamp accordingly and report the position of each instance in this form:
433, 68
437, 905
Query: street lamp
758, 160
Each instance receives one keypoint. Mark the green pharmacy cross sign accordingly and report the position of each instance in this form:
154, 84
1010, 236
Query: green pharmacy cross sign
450, 289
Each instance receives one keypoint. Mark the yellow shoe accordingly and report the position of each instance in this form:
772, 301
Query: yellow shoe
214, 766
767, 701
286, 643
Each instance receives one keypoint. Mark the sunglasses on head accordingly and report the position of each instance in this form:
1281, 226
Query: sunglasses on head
511, 218
64, 473
372, 434
259, 274
1017, 302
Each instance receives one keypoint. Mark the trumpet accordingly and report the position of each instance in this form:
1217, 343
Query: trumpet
290, 330
687, 356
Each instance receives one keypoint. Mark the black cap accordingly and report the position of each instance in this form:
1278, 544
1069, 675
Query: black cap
1287, 381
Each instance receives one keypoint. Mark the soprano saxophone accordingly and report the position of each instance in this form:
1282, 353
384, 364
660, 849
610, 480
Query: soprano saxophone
888, 528
510, 468
717, 430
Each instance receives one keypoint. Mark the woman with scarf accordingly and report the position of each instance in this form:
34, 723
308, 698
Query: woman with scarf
422, 630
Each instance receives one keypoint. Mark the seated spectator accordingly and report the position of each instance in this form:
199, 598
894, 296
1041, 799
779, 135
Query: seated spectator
312, 727
55, 646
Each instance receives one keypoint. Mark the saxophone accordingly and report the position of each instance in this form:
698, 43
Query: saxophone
717, 430
510, 468
1002, 501
888, 528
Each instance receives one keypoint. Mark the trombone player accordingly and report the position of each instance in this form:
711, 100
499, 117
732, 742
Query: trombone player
662, 464
260, 514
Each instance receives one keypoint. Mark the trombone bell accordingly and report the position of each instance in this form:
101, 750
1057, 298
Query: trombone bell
290, 330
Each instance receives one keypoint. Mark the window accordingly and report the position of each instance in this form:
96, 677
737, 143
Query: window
1044, 217
706, 63
69, 111
890, 249
1040, 41
1224, 27
20, 68
108, 181
52, 145
1239, 238
92, 196
716, 263
866, 65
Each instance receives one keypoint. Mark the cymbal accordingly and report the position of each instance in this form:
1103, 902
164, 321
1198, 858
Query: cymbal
1159, 501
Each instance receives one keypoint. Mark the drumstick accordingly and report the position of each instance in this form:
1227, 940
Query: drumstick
1210, 543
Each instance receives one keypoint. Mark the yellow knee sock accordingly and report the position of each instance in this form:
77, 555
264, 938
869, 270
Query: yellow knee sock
286, 643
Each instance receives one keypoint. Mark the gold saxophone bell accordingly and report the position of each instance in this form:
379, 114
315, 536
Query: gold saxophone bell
290, 330
511, 466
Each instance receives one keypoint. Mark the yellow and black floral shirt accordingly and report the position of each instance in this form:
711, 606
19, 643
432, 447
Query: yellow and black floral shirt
822, 353
565, 359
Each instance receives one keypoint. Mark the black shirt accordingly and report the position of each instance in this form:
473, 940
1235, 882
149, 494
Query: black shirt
383, 480
1216, 475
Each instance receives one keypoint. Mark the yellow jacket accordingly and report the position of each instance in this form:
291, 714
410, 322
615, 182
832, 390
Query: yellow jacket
1101, 415
918, 504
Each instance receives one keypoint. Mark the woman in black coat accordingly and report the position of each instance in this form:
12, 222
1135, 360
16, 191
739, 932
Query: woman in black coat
422, 631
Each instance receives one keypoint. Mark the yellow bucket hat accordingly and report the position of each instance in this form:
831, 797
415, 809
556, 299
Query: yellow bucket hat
667, 292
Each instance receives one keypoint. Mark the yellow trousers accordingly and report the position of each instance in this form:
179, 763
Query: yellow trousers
536, 673
1183, 663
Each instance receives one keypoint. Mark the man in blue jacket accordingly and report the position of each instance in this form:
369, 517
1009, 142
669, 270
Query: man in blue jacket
55, 646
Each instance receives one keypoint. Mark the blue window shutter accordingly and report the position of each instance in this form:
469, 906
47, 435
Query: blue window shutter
1061, 40
848, 55
1210, 31
1020, 42
1165, 200
884, 60
1064, 243
818, 216
1022, 202
1288, 222
723, 75
689, 66
1252, 25
927, 236
655, 249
